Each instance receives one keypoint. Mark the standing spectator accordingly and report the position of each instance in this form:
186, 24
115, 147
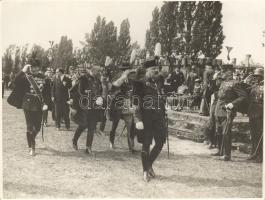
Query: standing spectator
206, 96
255, 113
11, 78
47, 91
3, 85
60, 96
6, 80
192, 76
176, 79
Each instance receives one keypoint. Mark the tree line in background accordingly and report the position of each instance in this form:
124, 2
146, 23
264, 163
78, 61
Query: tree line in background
187, 28
101, 42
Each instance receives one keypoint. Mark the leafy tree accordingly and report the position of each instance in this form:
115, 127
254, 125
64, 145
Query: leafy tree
7, 61
187, 22
17, 61
154, 28
211, 20
148, 44
124, 38
102, 41
65, 53
168, 26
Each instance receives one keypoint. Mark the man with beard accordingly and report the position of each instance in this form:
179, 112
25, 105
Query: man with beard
255, 113
149, 115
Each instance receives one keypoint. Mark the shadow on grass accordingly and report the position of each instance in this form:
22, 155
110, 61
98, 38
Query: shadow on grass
104, 155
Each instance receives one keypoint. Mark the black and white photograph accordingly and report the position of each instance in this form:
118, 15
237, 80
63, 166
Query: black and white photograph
132, 99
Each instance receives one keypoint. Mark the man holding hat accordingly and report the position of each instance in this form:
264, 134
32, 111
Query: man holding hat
231, 97
255, 113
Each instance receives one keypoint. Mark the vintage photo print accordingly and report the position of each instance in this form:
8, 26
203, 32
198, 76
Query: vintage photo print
132, 99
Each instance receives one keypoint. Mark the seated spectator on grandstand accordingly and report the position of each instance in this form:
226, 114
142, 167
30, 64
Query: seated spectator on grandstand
176, 79
197, 94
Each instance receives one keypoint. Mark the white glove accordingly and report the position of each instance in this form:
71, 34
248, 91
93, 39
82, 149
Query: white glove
139, 125
45, 107
64, 83
26, 68
229, 106
70, 102
99, 101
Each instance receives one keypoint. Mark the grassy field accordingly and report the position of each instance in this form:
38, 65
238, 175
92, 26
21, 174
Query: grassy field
58, 171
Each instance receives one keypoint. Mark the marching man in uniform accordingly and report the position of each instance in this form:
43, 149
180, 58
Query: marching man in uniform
149, 114
86, 102
27, 94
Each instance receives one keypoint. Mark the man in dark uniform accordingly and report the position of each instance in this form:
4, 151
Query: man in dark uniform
149, 115
255, 113
121, 90
60, 96
231, 96
28, 96
87, 102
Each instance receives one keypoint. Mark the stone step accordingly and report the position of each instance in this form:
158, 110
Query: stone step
185, 134
191, 126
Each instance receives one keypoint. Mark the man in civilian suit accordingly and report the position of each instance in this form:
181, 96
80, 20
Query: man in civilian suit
60, 96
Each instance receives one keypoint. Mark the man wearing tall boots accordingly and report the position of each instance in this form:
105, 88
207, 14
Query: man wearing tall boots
255, 114
149, 115
60, 96
232, 96
87, 102
27, 94
121, 108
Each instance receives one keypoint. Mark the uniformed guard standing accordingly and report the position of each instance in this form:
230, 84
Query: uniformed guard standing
86, 100
27, 95
149, 115
255, 113
231, 97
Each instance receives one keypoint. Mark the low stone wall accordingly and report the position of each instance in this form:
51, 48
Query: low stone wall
191, 126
